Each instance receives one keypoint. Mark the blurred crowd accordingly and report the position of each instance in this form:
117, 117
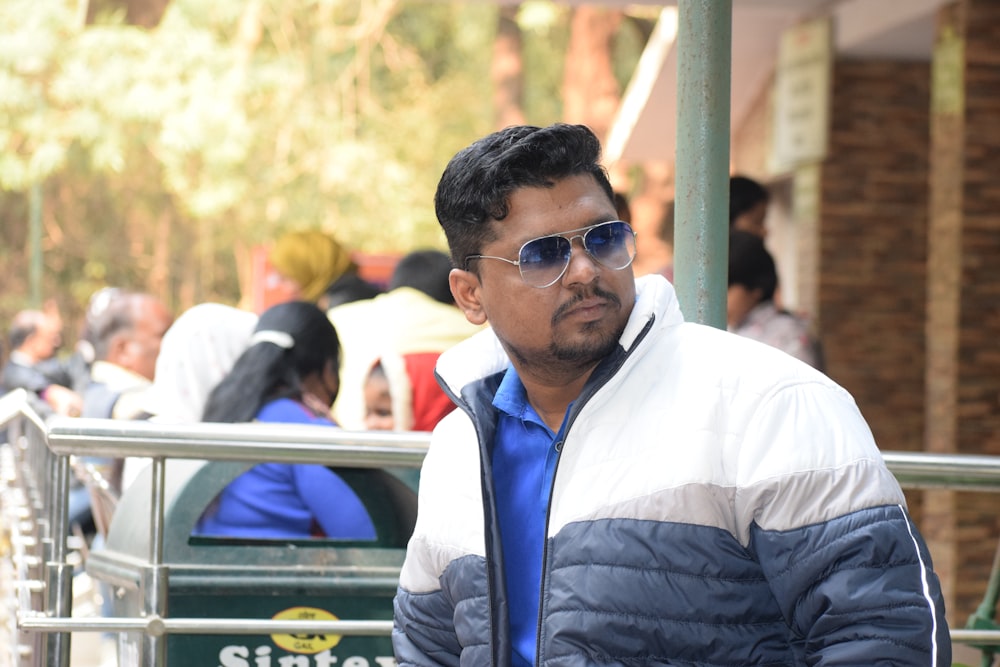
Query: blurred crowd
328, 347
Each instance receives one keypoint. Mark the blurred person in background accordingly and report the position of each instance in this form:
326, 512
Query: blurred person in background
126, 337
33, 365
311, 265
82, 358
665, 232
287, 374
748, 202
415, 320
401, 393
750, 308
197, 352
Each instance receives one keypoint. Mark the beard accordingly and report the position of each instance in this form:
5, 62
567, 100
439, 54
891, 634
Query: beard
588, 352
594, 341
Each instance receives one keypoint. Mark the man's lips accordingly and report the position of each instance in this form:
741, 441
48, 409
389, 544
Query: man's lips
587, 307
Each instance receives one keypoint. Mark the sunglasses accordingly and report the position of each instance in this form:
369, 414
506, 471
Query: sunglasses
543, 261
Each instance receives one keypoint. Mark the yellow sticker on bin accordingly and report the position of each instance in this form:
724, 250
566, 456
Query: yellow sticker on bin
306, 643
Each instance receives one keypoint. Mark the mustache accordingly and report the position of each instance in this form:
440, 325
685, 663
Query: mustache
610, 297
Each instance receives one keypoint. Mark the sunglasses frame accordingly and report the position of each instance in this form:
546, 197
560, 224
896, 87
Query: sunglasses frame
571, 235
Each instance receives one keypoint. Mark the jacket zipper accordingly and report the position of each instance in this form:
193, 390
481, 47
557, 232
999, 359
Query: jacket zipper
577, 408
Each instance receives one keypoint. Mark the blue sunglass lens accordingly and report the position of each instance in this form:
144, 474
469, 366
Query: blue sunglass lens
612, 244
542, 260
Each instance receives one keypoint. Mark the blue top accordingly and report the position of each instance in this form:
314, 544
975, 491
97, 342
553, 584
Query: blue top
524, 462
284, 500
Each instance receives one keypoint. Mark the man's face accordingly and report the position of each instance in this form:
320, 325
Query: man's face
45, 342
139, 347
570, 325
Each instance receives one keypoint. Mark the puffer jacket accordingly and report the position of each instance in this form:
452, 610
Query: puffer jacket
716, 503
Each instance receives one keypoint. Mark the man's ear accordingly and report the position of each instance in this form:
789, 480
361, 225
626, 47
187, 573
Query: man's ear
117, 349
465, 288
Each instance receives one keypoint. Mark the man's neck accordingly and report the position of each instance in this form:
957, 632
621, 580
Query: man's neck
551, 399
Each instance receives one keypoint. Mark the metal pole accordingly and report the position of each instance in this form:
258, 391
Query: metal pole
701, 231
154, 576
59, 573
35, 244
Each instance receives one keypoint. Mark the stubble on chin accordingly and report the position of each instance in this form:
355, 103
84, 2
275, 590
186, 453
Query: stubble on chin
596, 344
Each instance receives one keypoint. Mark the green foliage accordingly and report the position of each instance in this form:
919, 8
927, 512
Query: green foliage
163, 151
545, 34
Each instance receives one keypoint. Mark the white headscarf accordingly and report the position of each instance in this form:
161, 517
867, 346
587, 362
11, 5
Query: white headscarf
197, 351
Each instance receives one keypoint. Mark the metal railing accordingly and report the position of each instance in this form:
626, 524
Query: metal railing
42, 454
39, 485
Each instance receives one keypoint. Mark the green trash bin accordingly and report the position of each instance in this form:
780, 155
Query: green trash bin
316, 579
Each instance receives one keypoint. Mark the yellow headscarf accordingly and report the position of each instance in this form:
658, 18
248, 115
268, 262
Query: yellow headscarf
311, 258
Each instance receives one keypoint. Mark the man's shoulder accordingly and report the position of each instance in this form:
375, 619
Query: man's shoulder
16, 374
698, 354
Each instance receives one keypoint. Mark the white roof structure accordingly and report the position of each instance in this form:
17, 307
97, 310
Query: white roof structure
645, 126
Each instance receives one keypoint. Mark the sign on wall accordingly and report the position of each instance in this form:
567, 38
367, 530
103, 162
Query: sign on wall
801, 118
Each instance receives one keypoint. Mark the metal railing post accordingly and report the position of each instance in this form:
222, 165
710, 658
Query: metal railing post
58, 572
155, 575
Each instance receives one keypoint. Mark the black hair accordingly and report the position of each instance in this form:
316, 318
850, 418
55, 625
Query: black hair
427, 271
744, 194
348, 288
119, 315
622, 207
268, 369
476, 186
665, 230
750, 264
24, 326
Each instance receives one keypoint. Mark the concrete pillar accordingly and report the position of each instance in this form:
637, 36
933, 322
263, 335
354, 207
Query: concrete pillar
963, 304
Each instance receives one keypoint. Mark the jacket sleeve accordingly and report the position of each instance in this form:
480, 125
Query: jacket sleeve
423, 634
858, 590
828, 525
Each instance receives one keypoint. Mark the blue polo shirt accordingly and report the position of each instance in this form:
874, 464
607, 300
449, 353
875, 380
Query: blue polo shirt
524, 462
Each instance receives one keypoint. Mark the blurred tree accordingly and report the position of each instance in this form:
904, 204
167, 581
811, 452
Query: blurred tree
507, 69
170, 141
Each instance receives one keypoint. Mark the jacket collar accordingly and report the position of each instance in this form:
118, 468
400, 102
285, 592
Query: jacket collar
482, 355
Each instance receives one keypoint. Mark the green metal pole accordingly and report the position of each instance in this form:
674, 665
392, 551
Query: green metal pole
35, 244
701, 231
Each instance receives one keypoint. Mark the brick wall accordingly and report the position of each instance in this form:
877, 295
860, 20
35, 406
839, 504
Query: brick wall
964, 306
908, 273
873, 243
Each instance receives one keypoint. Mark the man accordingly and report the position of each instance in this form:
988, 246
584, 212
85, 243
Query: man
33, 366
644, 491
126, 338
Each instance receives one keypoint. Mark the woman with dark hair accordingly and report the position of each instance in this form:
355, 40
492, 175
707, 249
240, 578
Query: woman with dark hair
751, 310
748, 202
288, 374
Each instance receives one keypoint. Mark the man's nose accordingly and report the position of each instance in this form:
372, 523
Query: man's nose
582, 267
